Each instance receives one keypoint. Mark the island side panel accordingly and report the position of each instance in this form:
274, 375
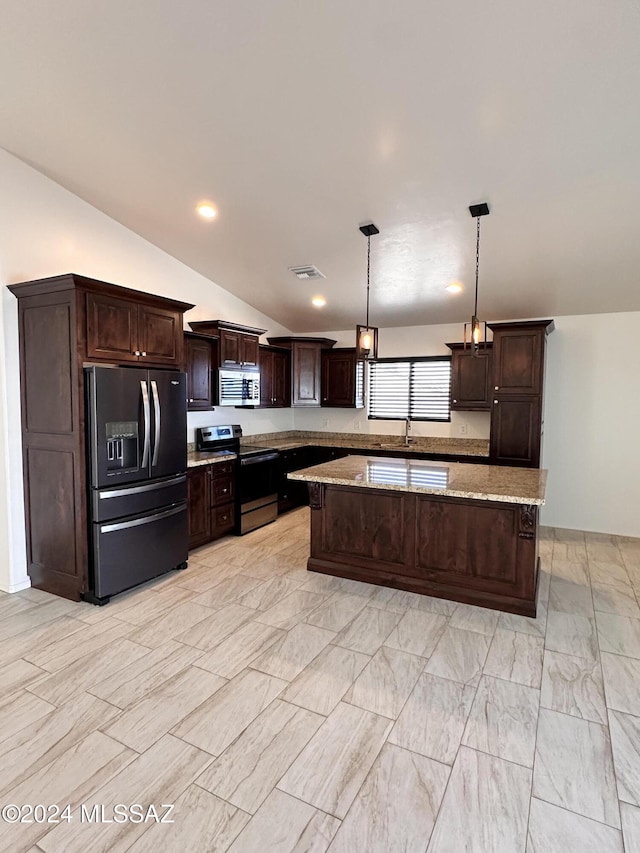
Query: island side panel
479, 552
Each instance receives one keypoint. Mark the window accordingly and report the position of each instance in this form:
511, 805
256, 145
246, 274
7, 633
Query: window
416, 388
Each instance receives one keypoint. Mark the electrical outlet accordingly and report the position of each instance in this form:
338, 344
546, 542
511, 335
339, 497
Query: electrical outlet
462, 429
325, 422
358, 425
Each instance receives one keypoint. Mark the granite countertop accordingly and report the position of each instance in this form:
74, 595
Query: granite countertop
195, 458
421, 444
450, 479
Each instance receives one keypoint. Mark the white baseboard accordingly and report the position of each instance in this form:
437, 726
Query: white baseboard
16, 587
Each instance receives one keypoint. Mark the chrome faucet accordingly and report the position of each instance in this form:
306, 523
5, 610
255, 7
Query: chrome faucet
407, 430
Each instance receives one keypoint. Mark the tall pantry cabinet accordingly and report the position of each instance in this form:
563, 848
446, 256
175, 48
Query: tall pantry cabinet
517, 410
66, 322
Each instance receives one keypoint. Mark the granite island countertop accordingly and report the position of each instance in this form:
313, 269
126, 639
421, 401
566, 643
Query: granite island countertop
449, 479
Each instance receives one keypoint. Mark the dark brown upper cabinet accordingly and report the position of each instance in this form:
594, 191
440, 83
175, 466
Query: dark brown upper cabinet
342, 379
200, 354
471, 378
128, 330
517, 397
239, 345
275, 377
306, 368
518, 350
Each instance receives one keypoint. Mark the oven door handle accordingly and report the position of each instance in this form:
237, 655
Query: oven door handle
255, 460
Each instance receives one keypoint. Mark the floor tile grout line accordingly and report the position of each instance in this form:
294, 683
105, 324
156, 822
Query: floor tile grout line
578, 814
453, 763
244, 811
615, 772
535, 742
295, 758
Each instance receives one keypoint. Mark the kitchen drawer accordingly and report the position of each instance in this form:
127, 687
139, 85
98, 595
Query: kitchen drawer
222, 469
222, 490
223, 519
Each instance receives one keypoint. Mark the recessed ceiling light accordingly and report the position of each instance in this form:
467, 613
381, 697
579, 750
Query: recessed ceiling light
454, 287
206, 210
319, 301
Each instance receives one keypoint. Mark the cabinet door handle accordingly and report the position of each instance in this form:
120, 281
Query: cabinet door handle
496, 402
143, 353
496, 388
455, 401
137, 352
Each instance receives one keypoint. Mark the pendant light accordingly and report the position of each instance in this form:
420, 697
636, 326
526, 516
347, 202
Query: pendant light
367, 335
477, 331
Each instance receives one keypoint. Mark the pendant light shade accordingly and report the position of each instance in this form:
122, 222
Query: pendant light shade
367, 335
475, 332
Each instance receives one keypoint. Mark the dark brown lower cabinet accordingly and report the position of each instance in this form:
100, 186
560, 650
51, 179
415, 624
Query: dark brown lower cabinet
198, 496
211, 502
516, 431
474, 551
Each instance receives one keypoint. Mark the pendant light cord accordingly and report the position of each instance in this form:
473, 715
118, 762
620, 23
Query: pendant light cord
368, 270
475, 309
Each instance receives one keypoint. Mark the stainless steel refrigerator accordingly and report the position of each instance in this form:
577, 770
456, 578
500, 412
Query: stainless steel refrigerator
137, 448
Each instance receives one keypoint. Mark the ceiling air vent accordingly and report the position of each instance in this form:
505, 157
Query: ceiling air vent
306, 272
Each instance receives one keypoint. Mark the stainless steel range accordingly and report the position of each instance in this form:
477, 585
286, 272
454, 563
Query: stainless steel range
256, 475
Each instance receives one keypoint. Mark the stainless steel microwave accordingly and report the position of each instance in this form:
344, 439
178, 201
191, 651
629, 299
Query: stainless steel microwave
238, 388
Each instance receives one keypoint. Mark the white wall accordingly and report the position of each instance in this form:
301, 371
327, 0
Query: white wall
45, 230
592, 423
592, 416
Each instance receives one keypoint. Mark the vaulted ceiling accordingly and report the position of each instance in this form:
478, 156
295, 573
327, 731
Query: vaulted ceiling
302, 120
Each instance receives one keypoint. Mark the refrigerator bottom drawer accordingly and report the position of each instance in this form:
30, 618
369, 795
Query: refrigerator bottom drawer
129, 552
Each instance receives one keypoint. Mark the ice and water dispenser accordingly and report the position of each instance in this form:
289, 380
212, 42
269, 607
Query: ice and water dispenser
122, 445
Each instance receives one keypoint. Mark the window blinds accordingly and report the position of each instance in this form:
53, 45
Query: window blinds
415, 388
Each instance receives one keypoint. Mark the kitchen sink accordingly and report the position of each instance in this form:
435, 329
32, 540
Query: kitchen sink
391, 446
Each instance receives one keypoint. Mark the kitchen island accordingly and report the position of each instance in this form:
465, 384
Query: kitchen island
458, 531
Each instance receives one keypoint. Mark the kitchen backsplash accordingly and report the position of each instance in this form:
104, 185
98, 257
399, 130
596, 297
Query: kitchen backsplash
470, 425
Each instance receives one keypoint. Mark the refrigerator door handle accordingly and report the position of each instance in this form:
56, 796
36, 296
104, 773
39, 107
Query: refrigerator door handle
146, 410
156, 406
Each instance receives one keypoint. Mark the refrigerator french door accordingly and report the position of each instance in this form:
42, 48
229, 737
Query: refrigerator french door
137, 447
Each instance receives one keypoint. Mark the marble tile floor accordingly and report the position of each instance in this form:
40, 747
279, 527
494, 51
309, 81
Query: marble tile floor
280, 710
